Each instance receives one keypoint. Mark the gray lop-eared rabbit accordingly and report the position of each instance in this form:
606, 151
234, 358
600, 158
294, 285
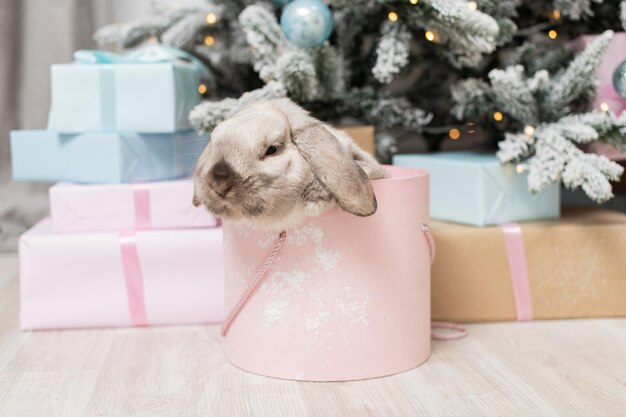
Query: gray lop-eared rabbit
273, 165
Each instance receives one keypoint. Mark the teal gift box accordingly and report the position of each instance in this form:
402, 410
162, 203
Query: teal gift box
474, 188
104, 157
151, 90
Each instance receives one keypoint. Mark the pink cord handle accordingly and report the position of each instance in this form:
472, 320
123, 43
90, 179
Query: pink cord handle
431, 242
458, 331
254, 284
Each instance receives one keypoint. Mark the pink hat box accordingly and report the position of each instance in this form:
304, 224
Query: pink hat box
346, 297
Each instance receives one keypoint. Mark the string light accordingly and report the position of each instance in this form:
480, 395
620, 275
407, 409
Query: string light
498, 116
430, 36
202, 89
604, 107
211, 18
153, 38
552, 34
472, 5
393, 16
209, 40
414, 1
520, 168
454, 134
529, 130
556, 14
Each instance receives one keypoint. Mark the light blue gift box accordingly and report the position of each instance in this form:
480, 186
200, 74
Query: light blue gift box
474, 188
104, 157
151, 90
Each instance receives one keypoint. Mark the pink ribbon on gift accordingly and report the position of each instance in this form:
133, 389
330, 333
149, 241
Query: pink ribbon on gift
141, 197
131, 266
133, 277
518, 269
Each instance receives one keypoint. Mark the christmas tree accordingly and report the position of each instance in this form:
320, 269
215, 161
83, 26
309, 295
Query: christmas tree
437, 68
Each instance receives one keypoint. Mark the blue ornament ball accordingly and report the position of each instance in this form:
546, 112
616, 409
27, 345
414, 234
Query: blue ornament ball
281, 3
307, 23
619, 79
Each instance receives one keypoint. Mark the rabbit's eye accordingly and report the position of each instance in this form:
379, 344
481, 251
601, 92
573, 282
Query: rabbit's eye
271, 150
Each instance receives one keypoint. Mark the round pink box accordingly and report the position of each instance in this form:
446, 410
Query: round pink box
346, 298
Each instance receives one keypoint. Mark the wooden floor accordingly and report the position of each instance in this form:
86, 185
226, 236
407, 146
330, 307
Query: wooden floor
558, 368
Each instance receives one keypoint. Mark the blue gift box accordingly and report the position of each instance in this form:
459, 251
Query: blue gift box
104, 157
135, 96
474, 188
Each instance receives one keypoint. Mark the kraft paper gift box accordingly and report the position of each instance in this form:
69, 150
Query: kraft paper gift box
363, 135
142, 96
474, 188
574, 267
157, 277
104, 157
156, 205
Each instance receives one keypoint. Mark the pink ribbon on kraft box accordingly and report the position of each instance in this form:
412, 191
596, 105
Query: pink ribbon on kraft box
127, 278
518, 268
113, 207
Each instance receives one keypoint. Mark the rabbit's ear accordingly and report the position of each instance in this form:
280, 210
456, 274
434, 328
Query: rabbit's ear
334, 167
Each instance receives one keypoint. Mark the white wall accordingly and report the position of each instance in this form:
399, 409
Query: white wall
116, 11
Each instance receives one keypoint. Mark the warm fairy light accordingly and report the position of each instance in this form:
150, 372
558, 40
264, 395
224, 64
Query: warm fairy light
413, 1
552, 34
497, 116
211, 18
556, 14
209, 40
604, 107
393, 16
520, 168
202, 89
472, 5
153, 38
529, 130
430, 36
454, 134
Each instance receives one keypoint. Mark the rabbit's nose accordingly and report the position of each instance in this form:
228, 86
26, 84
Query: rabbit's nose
223, 178
222, 171
222, 188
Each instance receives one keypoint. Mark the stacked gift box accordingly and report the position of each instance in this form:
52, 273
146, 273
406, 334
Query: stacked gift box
504, 253
124, 244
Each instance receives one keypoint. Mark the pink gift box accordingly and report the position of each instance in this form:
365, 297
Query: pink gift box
614, 55
156, 205
156, 277
346, 297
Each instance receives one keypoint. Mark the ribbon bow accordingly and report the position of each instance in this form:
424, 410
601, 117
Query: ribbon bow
151, 54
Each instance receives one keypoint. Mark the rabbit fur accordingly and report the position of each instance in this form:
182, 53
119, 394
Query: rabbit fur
273, 165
